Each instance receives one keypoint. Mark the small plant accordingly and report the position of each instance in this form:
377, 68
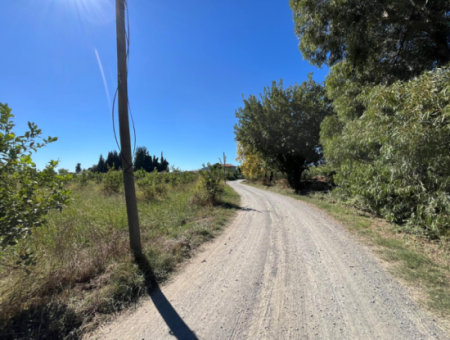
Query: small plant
153, 186
83, 178
210, 186
112, 181
97, 177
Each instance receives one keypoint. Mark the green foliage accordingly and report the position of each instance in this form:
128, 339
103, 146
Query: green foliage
84, 177
63, 172
282, 127
113, 160
101, 165
395, 159
152, 185
210, 185
389, 158
143, 160
388, 40
368, 44
324, 170
112, 181
26, 193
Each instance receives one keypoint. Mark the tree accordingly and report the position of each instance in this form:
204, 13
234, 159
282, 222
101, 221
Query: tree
155, 162
63, 171
164, 163
26, 193
252, 165
393, 40
148, 163
369, 43
113, 160
283, 126
142, 159
101, 165
78, 168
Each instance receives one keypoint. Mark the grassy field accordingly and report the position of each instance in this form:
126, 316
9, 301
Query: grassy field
421, 264
84, 271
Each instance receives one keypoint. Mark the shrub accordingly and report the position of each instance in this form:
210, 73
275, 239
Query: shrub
26, 193
395, 159
112, 181
320, 171
152, 186
210, 186
97, 177
83, 178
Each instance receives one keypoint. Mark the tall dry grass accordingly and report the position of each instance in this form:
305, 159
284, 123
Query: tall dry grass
83, 268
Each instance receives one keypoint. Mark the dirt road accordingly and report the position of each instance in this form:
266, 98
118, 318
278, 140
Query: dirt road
281, 270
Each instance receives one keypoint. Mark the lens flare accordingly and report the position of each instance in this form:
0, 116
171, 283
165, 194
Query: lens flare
100, 12
104, 78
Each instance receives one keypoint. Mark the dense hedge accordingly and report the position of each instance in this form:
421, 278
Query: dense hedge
395, 159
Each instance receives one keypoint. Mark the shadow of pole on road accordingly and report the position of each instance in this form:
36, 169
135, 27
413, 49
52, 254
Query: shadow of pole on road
177, 326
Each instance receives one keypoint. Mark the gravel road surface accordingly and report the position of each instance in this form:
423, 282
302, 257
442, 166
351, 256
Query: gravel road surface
281, 270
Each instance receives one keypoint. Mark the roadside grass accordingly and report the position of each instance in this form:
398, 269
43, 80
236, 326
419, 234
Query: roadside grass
421, 264
84, 271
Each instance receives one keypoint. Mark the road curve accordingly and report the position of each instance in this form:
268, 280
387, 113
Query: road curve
281, 270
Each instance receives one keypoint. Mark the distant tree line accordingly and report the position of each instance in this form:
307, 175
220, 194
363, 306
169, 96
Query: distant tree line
142, 160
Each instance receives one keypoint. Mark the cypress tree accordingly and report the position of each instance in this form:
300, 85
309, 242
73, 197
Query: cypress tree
101, 166
140, 157
164, 163
155, 163
117, 160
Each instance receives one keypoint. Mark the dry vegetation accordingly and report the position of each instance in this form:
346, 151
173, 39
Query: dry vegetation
84, 271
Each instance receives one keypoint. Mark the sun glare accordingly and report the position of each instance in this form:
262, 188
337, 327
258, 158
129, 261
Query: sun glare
99, 12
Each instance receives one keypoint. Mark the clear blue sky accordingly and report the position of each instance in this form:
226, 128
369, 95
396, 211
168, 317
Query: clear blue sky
190, 64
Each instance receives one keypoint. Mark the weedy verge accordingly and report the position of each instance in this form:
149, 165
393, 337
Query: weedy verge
84, 272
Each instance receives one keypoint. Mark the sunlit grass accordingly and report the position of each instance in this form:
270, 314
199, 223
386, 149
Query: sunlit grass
83, 264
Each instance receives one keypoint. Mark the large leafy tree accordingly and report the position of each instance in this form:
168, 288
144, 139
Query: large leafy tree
26, 193
283, 125
388, 40
369, 43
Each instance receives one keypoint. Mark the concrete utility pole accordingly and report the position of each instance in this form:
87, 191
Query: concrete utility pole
125, 143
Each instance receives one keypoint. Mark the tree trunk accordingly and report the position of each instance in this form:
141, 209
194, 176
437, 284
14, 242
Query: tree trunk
442, 50
294, 179
271, 177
